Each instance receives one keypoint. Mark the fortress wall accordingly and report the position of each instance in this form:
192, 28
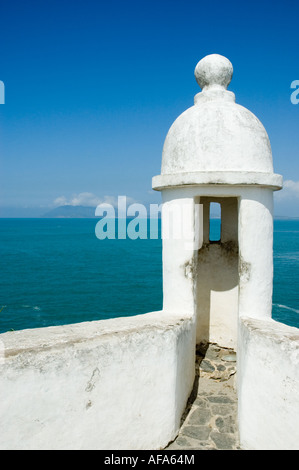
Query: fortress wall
113, 384
268, 385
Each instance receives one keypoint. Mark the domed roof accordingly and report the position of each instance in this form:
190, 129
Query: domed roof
216, 136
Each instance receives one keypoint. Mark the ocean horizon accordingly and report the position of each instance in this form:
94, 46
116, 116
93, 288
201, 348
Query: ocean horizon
56, 271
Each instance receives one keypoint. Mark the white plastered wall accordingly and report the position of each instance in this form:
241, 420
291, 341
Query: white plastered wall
111, 384
256, 252
268, 385
179, 227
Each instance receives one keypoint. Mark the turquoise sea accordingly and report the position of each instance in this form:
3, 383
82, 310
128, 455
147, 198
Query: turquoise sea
56, 271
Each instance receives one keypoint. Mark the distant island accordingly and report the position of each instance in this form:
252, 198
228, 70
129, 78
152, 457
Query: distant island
70, 212
74, 212
87, 212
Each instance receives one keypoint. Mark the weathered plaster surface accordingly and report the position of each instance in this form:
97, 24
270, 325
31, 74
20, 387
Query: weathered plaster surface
112, 384
268, 385
216, 136
214, 178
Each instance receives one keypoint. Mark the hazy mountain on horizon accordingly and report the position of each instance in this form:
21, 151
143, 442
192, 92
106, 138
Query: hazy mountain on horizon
68, 212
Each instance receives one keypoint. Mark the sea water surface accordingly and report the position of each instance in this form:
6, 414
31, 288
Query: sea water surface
56, 271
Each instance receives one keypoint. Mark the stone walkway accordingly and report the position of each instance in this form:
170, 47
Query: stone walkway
210, 419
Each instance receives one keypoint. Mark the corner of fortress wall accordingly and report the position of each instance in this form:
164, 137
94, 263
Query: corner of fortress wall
111, 384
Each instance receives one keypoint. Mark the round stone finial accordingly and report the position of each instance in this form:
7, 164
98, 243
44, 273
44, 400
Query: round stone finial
214, 70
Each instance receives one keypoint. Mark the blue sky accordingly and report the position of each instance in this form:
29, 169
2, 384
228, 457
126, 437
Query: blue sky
92, 87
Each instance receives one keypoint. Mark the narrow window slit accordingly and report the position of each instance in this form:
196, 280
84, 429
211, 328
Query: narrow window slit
215, 222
